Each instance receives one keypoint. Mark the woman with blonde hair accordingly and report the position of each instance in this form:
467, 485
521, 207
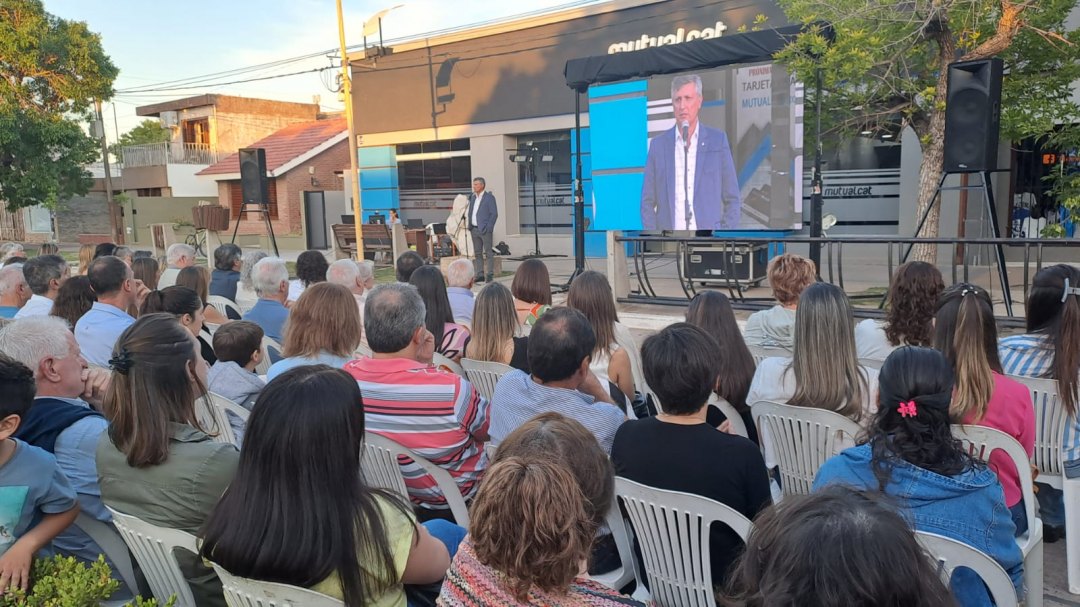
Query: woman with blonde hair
323, 329
534, 522
86, 255
788, 275
591, 295
494, 329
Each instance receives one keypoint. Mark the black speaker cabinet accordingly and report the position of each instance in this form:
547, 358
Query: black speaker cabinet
253, 183
972, 116
742, 264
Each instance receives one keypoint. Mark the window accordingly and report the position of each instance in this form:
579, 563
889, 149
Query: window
430, 175
197, 131
148, 192
554, 187
236, 199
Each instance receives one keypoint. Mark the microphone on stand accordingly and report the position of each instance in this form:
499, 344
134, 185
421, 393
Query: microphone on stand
684, 128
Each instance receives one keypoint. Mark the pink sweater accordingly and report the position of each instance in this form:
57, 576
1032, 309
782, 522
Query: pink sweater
1011, 411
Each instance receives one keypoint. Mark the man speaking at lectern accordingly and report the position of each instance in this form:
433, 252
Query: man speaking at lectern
690, 181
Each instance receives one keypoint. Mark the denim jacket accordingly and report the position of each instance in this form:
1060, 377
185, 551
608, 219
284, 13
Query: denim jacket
969, 507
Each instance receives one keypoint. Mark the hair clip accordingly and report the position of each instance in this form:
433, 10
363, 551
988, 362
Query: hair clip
1068, 291
122, 362
969, 289
908, 409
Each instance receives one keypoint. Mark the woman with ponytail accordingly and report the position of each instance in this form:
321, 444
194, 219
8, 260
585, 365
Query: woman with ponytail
910, 454
186, 305
1051, 349
965, 332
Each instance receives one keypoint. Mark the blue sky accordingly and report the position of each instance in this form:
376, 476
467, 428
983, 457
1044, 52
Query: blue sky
153, 42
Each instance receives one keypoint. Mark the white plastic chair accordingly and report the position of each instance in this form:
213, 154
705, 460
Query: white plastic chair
871, 363
950, 554
484, 375
218, 408
672, 529
1050, 421
153, 549
444, 363
244, 592
627, 570
738, 426
381, 466
802, 438
981, 442
363, 351
264, 364
113, 547
224, 304
760, 353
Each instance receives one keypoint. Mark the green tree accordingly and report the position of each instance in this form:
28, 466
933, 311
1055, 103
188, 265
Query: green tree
147, 131
50, 71
888, 63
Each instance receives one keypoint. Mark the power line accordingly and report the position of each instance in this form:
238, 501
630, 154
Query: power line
203, 86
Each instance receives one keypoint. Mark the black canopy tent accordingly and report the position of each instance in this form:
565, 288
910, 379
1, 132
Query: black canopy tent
749, 47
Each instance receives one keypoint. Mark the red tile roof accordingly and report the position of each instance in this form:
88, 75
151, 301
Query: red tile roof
285, 145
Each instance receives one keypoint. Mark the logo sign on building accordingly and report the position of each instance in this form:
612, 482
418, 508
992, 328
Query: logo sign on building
678, 37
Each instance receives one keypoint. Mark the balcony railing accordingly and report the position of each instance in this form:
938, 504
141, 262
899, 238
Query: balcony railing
158, 154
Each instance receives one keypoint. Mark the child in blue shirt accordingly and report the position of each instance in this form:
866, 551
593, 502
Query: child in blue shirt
36, 500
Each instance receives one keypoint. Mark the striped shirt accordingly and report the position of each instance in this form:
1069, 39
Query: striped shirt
1032, 355
437, 414
518, 398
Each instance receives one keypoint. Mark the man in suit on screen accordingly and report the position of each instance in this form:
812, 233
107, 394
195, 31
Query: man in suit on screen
690, 181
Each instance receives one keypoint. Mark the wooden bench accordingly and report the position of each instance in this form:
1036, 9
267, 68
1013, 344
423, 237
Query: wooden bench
377, 240
344, 240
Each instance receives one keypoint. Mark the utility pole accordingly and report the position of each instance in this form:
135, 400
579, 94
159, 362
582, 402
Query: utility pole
115, 225
346, 82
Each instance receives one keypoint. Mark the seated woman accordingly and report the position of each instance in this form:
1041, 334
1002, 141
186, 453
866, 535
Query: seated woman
146, 269
966, 333
451, 338
909, 315
684, 451
246, 297
323, 328
74, 299
311, 267
226, 274
197, 278
834, 548
591, 295
158, 464
532, 291
788, 275
494, 330
1050, 348
363, 544
711, 311
186, 306
534, 522
911, 455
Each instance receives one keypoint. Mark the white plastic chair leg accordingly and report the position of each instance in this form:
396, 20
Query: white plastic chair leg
1071, 490
1033, 576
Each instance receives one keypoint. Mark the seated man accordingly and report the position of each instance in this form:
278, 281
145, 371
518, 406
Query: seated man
60, 420
459, 283
45, 275
270, 278
14, 292
406, 264
560, 350
117, 291
178, 256
437, 414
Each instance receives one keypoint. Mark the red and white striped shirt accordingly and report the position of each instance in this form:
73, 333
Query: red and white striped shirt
437, 414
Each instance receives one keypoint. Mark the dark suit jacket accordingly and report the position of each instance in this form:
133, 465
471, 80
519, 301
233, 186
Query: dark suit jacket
716, 188
489, 212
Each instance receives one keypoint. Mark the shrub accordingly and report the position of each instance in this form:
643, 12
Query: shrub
66, 582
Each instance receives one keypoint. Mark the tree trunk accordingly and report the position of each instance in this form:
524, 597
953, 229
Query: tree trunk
933, 154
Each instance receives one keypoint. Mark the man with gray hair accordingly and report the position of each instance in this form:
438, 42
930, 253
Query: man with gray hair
435, 413
177, 257
357, 277
460, 281
690, 180
270, 279
62, 420
126, 254
45, 274
14, 292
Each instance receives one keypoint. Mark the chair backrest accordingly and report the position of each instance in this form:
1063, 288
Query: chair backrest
738, 426
224, 304
244, 592
363, 351
153, 549
981, 442
1050, 420
871, 363
446, 364
112, 546
268, 344
672, 529
760, 353
802, 439
381, 462
218, 408
950, 554
484, 375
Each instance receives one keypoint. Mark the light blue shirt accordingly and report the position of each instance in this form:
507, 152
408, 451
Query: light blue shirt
270, 315
323, 358
8, 311
98, 330
462, 302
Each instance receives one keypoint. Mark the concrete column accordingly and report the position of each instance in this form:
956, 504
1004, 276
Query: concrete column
491, 160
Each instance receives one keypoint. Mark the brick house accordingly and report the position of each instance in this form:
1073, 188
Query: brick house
302, 160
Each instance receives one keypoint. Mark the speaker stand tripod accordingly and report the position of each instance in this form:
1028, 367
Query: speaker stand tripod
987, 188
265, 212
